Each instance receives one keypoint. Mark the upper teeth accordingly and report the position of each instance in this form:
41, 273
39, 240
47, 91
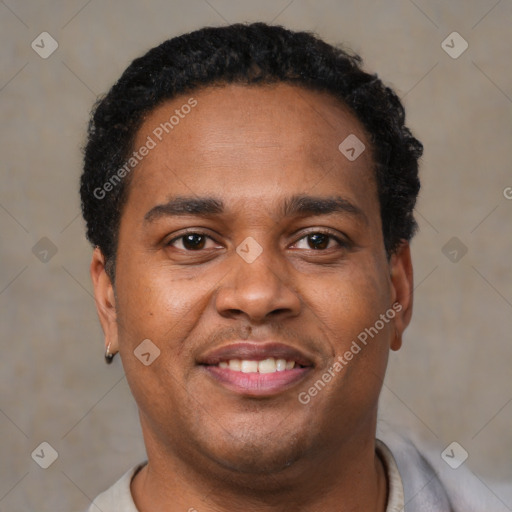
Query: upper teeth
269, 365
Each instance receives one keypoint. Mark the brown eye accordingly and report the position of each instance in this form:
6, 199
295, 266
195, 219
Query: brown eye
318, 241
190, 242
194, 241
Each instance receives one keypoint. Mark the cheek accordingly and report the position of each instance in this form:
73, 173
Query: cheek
348, 302
157, 307
358, 338
152, 304
348, 314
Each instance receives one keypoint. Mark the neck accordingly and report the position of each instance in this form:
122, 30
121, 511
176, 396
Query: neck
348, 477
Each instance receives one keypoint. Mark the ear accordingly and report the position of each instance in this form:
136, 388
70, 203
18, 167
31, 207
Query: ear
105, 300
402, 286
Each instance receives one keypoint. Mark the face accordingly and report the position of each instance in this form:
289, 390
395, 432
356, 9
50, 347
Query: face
251, 256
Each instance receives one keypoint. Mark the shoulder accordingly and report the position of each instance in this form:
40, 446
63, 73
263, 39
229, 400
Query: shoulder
118, 497
431, 484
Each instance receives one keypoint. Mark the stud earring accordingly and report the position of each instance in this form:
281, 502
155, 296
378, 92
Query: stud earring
108, 356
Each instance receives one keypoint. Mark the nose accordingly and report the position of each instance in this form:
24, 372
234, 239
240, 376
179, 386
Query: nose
259, 290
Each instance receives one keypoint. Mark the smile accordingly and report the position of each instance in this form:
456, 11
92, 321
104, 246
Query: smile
269, 365
255, 369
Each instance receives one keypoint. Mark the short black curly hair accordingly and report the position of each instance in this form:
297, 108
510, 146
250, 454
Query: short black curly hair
248, 54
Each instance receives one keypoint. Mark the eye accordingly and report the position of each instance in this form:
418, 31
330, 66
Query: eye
191, 242
318, 241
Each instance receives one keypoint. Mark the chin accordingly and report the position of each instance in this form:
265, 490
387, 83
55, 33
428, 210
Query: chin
258, 460
256, 452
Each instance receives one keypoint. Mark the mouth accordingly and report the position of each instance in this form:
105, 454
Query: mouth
256, 369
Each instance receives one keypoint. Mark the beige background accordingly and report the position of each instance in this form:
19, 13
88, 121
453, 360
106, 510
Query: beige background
452, 379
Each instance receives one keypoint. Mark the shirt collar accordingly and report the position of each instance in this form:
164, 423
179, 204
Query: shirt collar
396, 501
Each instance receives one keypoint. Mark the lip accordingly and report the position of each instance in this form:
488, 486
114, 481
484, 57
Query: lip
256, 384
257, 351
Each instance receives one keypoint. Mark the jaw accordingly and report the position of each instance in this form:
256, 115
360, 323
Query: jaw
266, 457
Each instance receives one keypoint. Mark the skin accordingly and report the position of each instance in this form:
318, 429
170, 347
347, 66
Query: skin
208, 447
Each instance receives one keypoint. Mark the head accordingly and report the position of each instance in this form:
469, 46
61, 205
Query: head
230, 220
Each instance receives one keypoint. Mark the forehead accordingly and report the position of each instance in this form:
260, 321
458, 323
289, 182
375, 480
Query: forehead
250, 142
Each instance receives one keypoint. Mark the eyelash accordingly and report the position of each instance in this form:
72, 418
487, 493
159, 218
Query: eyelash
341, 242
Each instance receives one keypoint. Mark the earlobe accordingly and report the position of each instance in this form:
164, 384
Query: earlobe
402, 284
105, 300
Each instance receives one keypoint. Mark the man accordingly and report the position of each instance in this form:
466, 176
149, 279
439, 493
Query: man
249, 192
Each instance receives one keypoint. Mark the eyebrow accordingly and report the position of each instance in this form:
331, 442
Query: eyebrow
302, 205
297, 205
200, 206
